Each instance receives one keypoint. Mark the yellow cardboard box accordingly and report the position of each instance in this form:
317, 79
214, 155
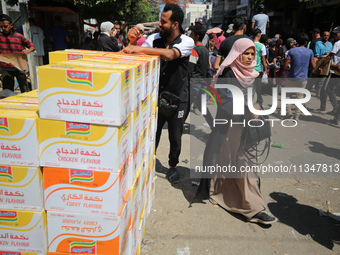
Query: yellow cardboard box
67, 55
137, 75
19, 138
23, 231
154, 63
88, 233
21, 188
21, 99
84, 146
86, 95
86, 191
18, 106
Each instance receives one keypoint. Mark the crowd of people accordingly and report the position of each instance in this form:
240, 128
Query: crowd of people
245, 61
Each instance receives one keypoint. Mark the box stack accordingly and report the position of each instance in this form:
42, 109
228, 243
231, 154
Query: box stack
22, 218
98, 112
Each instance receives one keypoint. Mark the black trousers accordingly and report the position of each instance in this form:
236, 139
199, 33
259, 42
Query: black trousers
175, 130
8, 80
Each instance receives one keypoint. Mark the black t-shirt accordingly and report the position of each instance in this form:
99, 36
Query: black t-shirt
272, 55
313, 42
199, 62
227, 44
173, 74
107, 43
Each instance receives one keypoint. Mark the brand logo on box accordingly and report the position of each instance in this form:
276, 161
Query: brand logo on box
137, 111
83, 248
139, 70
125, 125
6, 171
145, 102
8, 216
125, 167
4, 124
79, 77
9, 253
127, 77
147, 68
73, 56
77, 128
81, 175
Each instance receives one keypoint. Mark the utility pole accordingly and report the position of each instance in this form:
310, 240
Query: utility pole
3, 7
27, 34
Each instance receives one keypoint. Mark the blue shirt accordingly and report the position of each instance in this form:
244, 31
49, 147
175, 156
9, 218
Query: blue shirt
320, 48
59, 35
299, 61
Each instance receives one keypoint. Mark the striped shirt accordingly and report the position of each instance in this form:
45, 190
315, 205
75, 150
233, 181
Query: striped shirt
13, 43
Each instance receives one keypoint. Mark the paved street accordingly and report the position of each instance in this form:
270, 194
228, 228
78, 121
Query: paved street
296, 200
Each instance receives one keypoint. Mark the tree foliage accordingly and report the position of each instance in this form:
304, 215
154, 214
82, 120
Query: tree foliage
131, 11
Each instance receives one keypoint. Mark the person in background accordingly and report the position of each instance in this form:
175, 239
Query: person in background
260, 20
260, 59
212, 55
299, 58
199, 70
271, 61
335, 75
141, 38
206, 39
321, 49
316, 37
117, 26
239, 27
87, 45
230, 31
59, 35
106, 40
221, 38
12, 42
38, 38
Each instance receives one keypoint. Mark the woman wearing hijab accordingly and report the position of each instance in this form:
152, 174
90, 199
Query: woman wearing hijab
106, 40
236, 192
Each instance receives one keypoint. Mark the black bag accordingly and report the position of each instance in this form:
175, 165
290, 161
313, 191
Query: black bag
257, 132
168, 103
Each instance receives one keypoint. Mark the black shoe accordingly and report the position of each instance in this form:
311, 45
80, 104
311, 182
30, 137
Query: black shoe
263, 218
172, 175
334, 121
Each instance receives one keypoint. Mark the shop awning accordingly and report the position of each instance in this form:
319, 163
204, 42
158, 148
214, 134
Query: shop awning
53, 9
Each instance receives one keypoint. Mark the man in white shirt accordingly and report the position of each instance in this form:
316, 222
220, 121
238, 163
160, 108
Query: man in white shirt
38, 38
174, 49
260, 20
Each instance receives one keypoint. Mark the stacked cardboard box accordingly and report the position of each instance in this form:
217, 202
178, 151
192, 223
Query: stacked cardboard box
22, 218
97, 150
